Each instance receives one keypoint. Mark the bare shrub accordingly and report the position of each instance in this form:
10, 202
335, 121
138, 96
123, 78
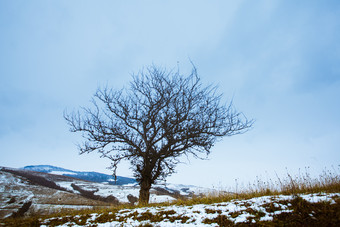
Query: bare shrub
132, 199
22, 210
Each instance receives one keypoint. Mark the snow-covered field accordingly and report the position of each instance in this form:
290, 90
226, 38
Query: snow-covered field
236, 211
122, 191
16, 190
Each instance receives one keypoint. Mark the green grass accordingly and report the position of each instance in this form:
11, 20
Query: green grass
303, 183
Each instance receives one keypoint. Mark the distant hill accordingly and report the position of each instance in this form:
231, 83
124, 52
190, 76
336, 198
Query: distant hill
88, 176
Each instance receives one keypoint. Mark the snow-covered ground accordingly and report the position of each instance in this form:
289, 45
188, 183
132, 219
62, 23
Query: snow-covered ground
121, 192
16, 190
62, 173
162, 192
236, 211
185, 190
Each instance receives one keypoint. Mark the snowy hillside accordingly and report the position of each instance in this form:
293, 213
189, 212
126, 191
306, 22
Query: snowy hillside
17, 192
89, 176
261, 211
128, 183
47, 192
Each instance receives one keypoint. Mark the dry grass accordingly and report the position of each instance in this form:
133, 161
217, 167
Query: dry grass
303, 182
328, 181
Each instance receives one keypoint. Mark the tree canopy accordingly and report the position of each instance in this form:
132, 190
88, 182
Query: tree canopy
160, 117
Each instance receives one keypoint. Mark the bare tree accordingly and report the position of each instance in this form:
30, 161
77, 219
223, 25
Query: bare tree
159, 118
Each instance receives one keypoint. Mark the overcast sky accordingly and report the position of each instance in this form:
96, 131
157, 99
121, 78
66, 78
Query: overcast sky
278, 60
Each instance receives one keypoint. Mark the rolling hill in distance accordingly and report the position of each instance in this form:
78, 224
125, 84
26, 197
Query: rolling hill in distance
88, 176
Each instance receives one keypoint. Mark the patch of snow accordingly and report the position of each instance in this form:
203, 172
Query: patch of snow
66, 185
160, 198
315, 198
9, 179
120, 192
131, 185
62, 172
184, 189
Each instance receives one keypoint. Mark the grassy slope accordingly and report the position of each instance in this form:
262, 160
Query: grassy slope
302, 212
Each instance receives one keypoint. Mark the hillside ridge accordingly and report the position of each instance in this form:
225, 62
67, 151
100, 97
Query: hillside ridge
82, 175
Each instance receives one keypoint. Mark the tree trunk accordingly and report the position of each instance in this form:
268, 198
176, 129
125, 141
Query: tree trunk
144, 192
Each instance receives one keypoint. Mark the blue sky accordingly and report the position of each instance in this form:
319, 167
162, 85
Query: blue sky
278, 60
